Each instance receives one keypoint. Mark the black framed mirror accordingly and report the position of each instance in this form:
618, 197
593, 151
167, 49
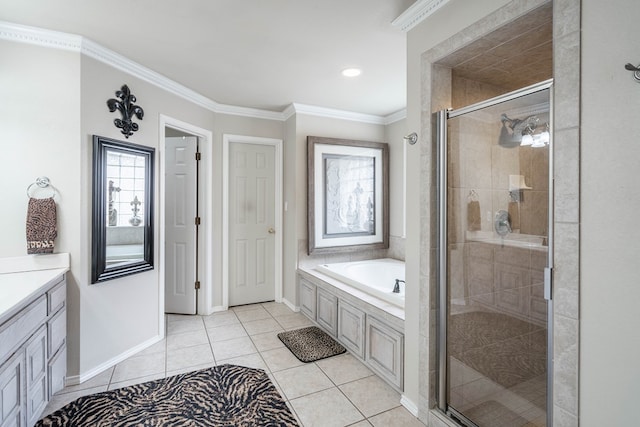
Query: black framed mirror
122, 242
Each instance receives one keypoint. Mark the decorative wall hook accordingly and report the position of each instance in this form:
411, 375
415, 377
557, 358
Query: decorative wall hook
636, 71
128, 109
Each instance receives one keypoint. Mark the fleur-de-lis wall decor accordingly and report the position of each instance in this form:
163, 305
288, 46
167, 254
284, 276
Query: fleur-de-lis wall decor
128, 109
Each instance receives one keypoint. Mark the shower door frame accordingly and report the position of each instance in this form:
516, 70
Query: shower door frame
441, 118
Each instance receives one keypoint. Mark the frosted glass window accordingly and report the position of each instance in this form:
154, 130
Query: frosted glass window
125, 189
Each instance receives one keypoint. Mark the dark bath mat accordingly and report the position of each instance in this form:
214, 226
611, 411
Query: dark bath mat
310, 344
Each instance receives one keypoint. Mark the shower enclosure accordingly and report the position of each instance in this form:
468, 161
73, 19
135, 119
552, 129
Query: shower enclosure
494, 260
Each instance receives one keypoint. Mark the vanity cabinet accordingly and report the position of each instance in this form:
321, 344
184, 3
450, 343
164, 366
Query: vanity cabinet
33, 354
327, 311
11, 386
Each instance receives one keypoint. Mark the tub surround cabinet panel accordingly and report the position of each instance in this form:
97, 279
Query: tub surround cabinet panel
351, 328
371, 334
385, 351
33, 353
327, 312
307, 299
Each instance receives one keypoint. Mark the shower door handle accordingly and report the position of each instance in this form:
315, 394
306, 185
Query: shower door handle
548, 283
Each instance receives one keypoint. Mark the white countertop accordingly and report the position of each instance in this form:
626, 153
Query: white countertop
29, 275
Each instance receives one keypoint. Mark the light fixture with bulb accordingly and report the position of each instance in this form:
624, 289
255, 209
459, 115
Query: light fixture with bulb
351, 72
523, 132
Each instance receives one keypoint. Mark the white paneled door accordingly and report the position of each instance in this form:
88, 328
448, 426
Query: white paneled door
251, 223
180, 229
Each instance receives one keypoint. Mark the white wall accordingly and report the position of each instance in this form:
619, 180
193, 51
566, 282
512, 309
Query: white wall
53, 102
290, 241
298, 127
48, 119
40, 122
325, 127
109, 319
134, 299
233, 125
610, 204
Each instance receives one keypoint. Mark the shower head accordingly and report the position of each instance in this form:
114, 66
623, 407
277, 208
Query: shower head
514, 129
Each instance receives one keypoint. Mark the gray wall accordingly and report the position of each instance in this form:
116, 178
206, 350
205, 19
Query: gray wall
447, 21
610, 202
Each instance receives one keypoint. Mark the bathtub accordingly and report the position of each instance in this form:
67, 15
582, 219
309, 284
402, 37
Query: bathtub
375, 277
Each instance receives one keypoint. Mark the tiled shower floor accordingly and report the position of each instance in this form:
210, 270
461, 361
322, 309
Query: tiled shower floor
338, 391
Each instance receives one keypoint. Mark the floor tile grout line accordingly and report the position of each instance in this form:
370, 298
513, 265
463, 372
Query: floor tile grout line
266, 367
213, 354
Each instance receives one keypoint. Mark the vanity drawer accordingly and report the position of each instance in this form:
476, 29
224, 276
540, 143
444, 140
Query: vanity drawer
56, 297
15, 331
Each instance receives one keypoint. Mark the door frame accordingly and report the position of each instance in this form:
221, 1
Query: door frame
227, 140
205, 244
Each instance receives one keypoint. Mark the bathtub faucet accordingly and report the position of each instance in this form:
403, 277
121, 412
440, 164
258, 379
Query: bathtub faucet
396, 287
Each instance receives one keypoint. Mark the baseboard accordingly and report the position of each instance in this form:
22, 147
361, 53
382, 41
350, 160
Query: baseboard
409, 405
79, 379
219, 308
290, 305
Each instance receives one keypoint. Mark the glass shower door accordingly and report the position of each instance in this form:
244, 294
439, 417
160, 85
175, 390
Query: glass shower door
494, 252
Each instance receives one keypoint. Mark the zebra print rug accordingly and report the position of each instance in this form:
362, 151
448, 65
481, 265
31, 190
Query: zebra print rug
225, 395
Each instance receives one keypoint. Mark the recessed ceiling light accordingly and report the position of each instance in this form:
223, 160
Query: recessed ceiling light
351, 72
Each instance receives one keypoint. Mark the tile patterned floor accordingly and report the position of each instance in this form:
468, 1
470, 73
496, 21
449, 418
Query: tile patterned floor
338, 391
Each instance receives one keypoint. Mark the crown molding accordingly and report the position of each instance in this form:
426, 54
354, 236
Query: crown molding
255, 113
418, 12
288, 112
331, 113
71, 42
40, 37
100, 53
395, 117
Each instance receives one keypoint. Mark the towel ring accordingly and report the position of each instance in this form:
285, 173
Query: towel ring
42, 182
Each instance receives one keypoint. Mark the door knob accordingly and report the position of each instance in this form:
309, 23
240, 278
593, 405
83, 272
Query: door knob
271, 230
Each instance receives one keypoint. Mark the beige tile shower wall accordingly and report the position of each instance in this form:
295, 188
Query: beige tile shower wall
465, 91
505, 279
